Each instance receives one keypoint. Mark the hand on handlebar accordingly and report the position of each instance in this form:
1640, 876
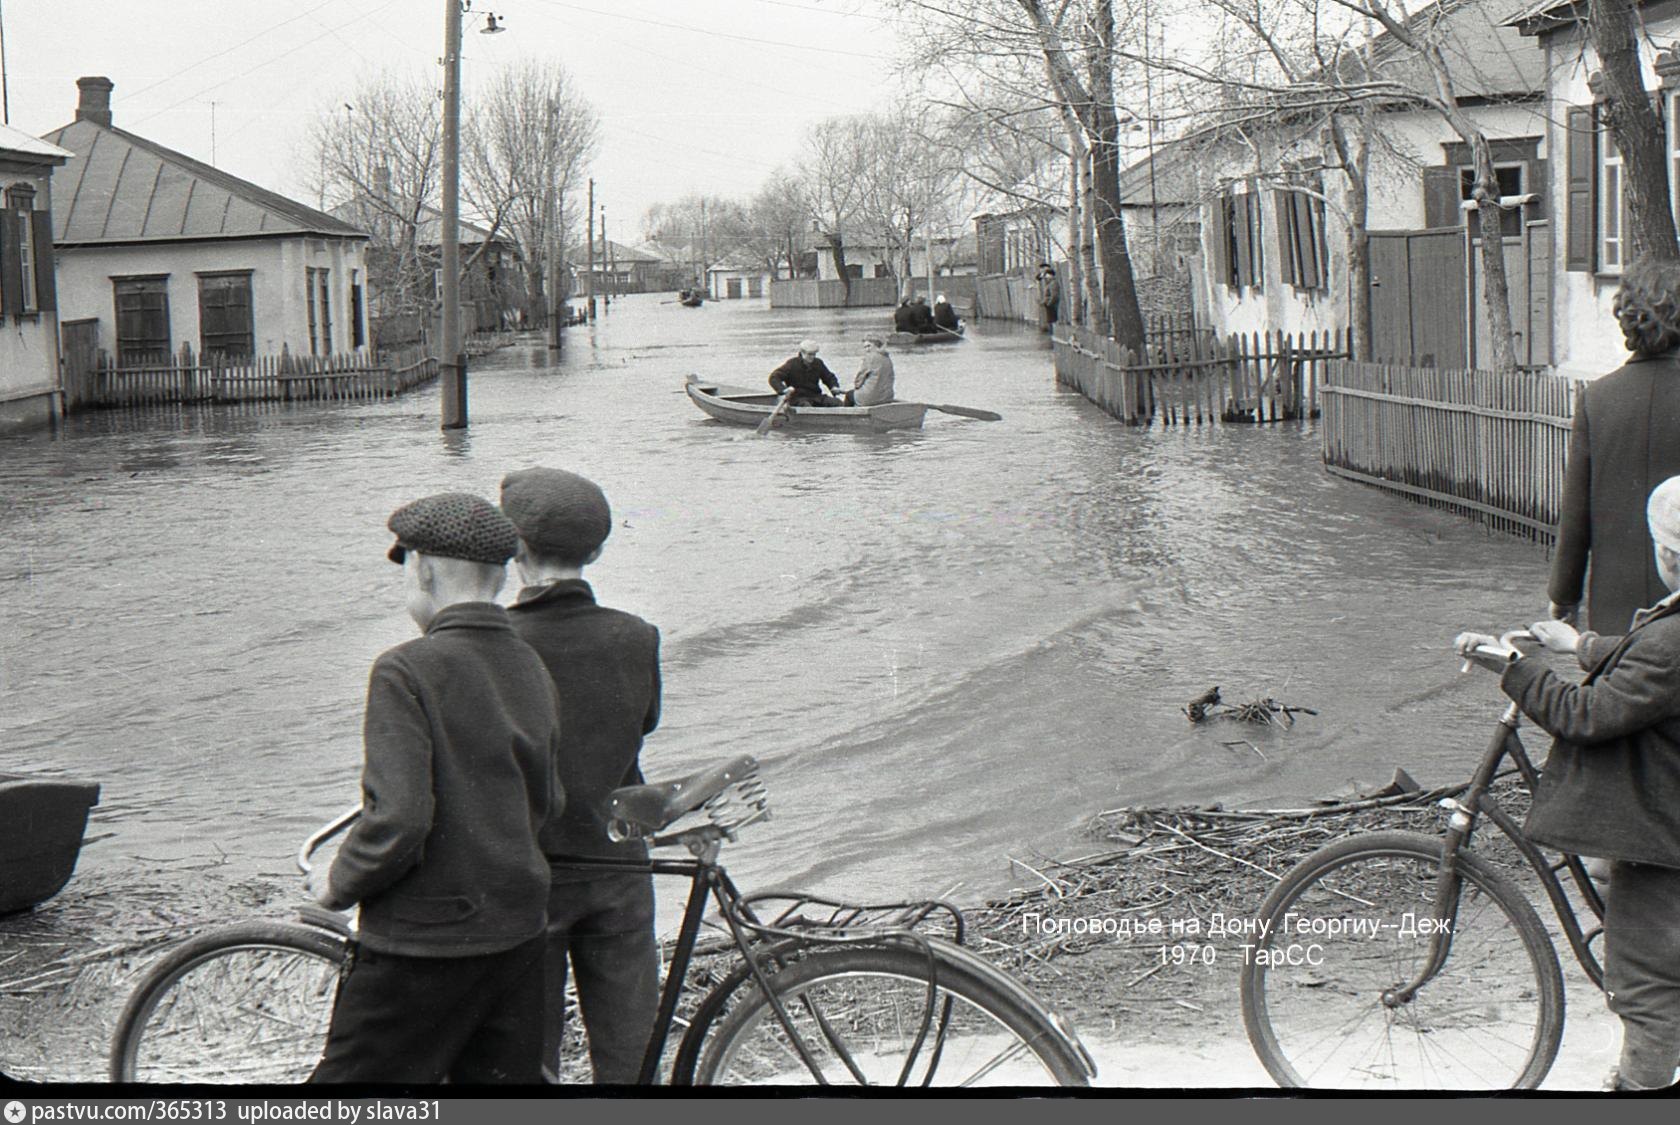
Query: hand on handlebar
1490, 652
1557, 635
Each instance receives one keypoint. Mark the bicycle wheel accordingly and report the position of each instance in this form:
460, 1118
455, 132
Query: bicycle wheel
860, 1010
1335, 940
247, 1004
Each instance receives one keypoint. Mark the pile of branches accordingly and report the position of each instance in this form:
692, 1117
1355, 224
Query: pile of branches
1208, 707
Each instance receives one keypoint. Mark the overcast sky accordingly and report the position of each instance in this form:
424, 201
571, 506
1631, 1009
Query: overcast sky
703, 95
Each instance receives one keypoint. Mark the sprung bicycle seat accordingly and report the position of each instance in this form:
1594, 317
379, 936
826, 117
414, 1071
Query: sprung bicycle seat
653, 807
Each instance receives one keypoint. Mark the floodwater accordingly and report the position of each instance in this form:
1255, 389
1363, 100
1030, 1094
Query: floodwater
948, 647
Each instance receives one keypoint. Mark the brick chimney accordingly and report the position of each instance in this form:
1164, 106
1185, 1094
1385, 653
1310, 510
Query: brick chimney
95, 103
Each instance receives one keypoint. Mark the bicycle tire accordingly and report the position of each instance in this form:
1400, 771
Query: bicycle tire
988, 1036
1491, 1018
247, 1004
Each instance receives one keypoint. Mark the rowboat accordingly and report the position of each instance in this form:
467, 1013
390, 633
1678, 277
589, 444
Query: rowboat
943, 336
41, 824
691, 299
743, 406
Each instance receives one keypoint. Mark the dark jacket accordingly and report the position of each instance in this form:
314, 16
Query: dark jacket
805, 378
605, 665
1625, 441
921, 317
1611, 786
904, 318
462, 739
945, 316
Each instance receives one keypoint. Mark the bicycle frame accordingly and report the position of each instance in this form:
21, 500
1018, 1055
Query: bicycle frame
1461, 826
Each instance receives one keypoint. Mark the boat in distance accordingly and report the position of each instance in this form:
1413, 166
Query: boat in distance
910, 339
743, 406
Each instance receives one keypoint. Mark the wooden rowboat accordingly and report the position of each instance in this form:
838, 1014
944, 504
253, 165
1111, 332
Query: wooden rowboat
943, 336
743, 406
41, 824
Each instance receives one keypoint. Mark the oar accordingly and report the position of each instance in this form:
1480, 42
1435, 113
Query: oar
948, 331
770, 418
966, 412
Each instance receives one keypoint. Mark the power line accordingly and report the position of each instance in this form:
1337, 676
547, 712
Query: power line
709, 31
207, 58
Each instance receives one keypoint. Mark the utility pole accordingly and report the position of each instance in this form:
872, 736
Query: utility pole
452, 365
610, 255
589, 279
5, 95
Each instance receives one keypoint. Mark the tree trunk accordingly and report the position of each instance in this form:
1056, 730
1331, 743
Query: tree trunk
1496, 294
837, 249
1076, 245
1119, 291
1096, 314
1639, 136
1356, 166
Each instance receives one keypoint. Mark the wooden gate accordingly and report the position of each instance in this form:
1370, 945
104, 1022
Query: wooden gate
1418, 283
78, 360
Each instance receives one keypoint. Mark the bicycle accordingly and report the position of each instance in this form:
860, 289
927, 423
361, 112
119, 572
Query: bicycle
821, 992
1407, 960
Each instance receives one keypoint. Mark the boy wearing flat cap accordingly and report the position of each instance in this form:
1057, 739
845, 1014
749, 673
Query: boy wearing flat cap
1611, 787
605, 665
461, 739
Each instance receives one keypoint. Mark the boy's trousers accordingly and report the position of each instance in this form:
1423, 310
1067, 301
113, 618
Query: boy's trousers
1642, 970
421, 1020
604, 926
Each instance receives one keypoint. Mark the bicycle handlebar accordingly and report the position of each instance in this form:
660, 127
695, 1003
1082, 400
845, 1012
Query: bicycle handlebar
326, 832
1507, 649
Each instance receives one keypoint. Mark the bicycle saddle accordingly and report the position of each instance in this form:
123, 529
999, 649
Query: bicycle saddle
653, 807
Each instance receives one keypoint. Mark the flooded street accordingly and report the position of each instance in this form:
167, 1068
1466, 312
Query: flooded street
947, 647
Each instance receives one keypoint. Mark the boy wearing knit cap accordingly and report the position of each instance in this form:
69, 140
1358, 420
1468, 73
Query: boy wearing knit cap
461, 740
1611, 787
605, 666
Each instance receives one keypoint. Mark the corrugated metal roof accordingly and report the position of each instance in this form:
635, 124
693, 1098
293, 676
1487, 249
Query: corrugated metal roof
118, 187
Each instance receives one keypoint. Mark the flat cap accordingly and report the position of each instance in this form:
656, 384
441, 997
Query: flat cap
455, 525
1662, 514
556, 512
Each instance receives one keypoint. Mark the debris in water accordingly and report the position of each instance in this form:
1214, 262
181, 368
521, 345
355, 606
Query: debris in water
1208, 706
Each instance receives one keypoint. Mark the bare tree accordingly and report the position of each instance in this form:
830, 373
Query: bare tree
834, 193
780, 222
710, 227
1639, 136
530, 136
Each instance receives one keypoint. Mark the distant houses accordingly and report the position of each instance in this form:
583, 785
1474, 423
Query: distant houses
157, 251
29, 346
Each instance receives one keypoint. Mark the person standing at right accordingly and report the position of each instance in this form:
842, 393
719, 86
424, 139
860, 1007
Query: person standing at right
605, 665
1624, 442
1049, 288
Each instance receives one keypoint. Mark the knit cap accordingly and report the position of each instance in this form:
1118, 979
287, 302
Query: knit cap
1662, 513
455, 525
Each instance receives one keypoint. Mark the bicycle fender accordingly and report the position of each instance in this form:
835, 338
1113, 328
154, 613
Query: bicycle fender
975, 965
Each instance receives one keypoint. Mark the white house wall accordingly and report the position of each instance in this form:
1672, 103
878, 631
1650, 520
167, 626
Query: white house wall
29, 345
278, 313
1395, 202
1586, 339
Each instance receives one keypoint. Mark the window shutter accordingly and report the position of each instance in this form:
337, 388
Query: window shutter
1219, 241
1245, 265
1579, 190
1287, 256
1440, 196
46, 286
1305, 245
11, 264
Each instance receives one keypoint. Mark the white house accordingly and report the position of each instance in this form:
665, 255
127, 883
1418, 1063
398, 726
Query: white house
1275, 256
737, 276
157, 250
1586, 176
29, 381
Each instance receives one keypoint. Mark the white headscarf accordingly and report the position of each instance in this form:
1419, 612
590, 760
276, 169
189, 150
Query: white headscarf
1662, 513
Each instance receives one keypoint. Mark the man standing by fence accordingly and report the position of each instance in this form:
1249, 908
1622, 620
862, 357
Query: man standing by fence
1048, 289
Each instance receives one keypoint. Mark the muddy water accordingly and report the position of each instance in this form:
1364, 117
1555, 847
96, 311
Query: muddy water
947, 646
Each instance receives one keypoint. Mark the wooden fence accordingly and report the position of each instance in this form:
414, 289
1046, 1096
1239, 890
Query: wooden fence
810, 293
1189, 375
282, 378
1487, 444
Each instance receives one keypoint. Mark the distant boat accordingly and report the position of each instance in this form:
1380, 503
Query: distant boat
743, 406
691, 298
943, 336
42, 820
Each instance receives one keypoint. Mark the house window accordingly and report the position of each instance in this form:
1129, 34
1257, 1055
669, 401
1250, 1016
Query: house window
317, 296
1241, 230
224, 315
358, 314
1303, 256
1510, 177
1612, 204
142, 319
1672, 128
20, 200
854, 270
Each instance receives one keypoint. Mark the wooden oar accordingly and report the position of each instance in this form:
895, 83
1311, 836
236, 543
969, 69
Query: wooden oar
966, 412
770, 418
949, 331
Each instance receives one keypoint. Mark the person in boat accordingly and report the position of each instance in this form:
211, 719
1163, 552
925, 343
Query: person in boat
461, 743
944, 316
923, 317
605, 665
874, 382
904, 317
806, 376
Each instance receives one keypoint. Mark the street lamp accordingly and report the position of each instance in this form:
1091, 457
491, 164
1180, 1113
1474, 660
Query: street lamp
452, 362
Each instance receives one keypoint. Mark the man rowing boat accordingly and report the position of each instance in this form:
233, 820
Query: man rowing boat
806, 376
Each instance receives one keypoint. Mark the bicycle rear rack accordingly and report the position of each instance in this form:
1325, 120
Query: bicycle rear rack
805, 917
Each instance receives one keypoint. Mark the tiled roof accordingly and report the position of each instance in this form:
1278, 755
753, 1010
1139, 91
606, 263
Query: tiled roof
118, 187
